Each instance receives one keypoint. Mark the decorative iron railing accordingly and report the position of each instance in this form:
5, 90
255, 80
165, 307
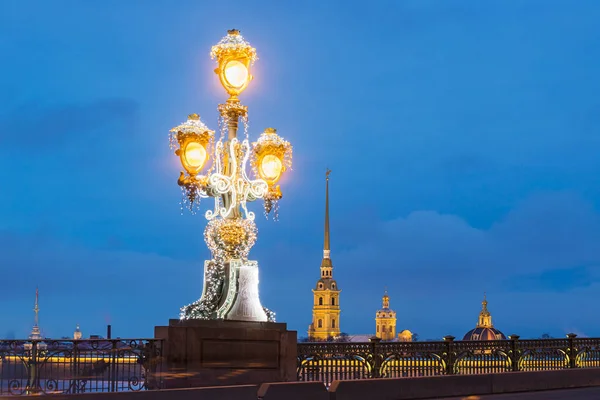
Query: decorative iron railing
329, 361
77, 366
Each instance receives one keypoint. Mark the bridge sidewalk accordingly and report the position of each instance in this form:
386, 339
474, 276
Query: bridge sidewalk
592, 393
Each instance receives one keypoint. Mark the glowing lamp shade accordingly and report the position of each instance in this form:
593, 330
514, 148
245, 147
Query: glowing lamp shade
194, 157
236, 74
270, 168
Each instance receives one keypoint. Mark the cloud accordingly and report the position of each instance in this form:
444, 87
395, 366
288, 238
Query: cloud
556, 280
548, 231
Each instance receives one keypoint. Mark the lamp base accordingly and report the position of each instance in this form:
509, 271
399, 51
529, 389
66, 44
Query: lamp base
245, 303
230, 291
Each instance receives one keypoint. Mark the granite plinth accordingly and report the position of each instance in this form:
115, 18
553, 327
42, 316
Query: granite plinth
223, 323
221, 352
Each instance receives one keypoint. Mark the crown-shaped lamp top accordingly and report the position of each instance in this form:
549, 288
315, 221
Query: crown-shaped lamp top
233, 45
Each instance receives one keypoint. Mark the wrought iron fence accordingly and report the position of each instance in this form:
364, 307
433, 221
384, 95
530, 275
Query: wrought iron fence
77, 366
327, 361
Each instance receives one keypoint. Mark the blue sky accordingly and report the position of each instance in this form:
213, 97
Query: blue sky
462, 135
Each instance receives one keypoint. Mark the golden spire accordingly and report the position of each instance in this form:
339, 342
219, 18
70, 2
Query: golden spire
326, 248
326, 266
326, 245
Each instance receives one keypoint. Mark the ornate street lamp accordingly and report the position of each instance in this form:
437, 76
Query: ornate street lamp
230, 280
272, 156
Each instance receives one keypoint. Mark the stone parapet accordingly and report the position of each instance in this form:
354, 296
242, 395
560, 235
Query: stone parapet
219, 352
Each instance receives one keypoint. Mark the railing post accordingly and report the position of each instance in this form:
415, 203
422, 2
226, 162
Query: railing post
450, 354
161, 363
376, 356
515, 355
75, 358
572, 350
32, 379
113, 366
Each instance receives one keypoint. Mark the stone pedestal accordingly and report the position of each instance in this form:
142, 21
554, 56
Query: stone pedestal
220, 352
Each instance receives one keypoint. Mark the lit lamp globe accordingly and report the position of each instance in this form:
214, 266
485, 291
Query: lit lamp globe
270, 168
234, 57
193, 157
236, 75
192, 138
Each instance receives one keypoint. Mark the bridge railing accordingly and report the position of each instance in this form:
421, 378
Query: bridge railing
329, 361
79, 366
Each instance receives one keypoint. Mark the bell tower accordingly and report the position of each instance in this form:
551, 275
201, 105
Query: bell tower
326, 294
385, 320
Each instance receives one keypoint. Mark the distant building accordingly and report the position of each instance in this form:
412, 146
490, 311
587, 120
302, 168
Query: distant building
405, 336
385, 326
77, 333
385, 320
36, 333
485, 329
326, 294
35, 330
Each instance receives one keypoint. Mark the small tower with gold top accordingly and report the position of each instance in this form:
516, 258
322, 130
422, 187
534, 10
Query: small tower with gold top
326, 294
385, 320
485, 318
77, 334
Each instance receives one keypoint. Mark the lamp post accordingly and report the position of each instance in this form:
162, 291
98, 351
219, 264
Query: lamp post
230, 288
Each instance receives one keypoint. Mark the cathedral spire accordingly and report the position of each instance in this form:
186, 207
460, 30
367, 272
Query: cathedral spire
326, 294
326, 265
326, 246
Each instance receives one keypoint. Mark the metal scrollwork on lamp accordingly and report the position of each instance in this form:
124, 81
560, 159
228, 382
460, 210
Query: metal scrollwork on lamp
231, 231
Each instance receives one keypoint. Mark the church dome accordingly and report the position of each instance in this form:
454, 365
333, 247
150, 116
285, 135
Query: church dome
485, 329
405, 336
484, 334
